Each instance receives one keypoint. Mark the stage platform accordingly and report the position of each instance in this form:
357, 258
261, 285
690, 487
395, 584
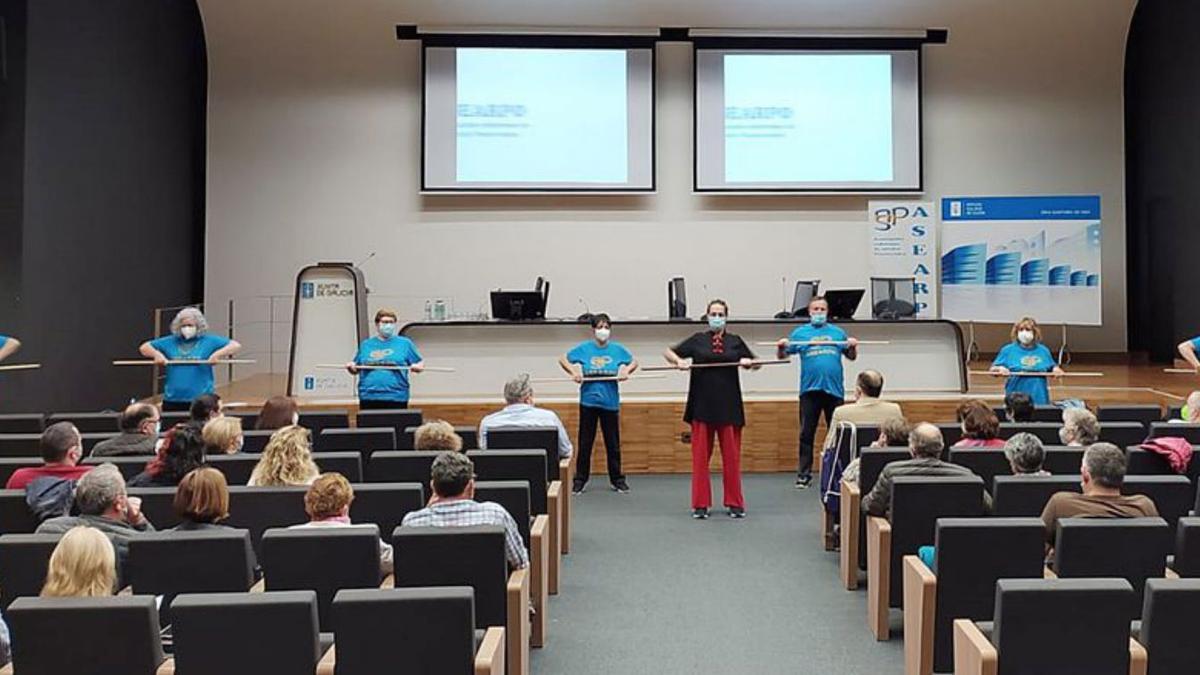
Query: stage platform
654, 437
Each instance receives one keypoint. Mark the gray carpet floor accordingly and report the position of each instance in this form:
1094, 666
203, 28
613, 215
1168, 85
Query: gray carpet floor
646, 589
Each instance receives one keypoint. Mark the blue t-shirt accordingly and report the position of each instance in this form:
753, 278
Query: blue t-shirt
3, 340
1035, 359
385, 385
600, 361
820, 365
1195, 343
185, 383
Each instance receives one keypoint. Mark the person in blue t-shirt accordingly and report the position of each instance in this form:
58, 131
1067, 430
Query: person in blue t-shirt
821, 377
599, 401
381, 389
1026, 354
189, 341
1187, 349
8, 346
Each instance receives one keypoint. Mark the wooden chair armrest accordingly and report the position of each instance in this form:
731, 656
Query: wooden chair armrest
489, 660
1048, 573
974, 654
1172, 574
879, 575
1138, 659
538, 590
167, 668
328, 663
850, 519
128, 590
517, 630
566, 474
388, 582
920, 601
259, 586
554, 508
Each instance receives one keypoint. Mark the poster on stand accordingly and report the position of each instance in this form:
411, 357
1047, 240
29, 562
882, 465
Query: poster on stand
904, 243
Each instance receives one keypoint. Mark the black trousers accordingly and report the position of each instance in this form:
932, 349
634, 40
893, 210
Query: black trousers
176, 406
812, 405
610, 426
381, 405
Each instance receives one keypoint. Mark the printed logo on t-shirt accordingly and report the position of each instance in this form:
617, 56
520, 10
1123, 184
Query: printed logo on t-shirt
1030, 361
380, 354
599, 362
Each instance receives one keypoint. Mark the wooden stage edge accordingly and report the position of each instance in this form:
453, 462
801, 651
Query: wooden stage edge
654, 438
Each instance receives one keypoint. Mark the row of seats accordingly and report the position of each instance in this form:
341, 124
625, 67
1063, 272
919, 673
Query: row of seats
318, 420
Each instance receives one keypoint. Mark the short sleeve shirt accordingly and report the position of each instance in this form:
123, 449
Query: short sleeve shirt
600, 361
1035, 359
820, 365
185, 383
385, 385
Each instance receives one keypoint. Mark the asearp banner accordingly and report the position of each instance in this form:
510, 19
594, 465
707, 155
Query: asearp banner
904, 243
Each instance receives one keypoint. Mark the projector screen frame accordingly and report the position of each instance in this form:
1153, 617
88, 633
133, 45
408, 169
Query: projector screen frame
814, 43
543, 41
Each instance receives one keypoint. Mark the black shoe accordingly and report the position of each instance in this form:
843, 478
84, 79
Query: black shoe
621, 487
737, 512
700, 513
803, 482
578, 488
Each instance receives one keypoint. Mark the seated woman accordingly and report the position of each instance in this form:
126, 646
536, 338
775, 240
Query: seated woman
437, 436
223, 436
980, 426
1025, 455
287, 460
278, 412
83, 565
893, 433
202, 500
327, 504
181, 451
1080, 428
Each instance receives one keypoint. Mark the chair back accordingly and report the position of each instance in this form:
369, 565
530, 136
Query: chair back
1187, 548
1170, 614
987, 463
526, 438
347, 463
22, 423
236, 467
1173, 496
158, 505
258, 509
1189, 431
15, 516
457, 556
85, 636
1014, 496
363, 440
1145, 414
246, 633
917, 503
397, 420
513, 495
429, 630
1134, 549
318, 421
522, 465
254, 441
88, 422
200, 561
385, 504
24, 559
401, 466
128, 465
321, 559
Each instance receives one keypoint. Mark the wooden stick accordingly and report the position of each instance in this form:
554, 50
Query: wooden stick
723, 364
1181, 371
802, 343
1039, 374
338, 366
610, 378
21, 366
185, 362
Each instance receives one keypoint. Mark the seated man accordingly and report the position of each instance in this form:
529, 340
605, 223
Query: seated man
453, 505
102, 503
62, 448
867, 407
205, 407
140, 425
520, 412
437, 436
1025, 455
925, 444
1018, 407
327, 504
1080, 428
1103, 472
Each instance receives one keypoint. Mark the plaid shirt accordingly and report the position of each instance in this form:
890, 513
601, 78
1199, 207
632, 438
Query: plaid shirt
468, 512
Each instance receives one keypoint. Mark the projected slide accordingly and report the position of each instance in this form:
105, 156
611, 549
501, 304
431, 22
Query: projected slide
540, 115
808, 117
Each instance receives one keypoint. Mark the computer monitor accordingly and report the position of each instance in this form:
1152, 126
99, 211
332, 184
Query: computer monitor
843, 303
805, 291
676, 299
518, 305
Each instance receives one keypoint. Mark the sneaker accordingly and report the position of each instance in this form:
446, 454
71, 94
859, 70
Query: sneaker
578, 488
737, 512
803, 482
621, 487
700, 513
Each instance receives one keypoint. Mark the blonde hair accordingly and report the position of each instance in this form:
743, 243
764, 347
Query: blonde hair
327, 496
83, 565
1030, 323
287, 459
221, 433
435, 436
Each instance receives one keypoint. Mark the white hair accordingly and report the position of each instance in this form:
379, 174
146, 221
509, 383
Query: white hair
190, 313
517, 389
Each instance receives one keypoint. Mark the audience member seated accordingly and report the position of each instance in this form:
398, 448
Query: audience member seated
1103, 472
140, 425
223, 435
926, 445
1025, 455
437, 436
202, 500
1080, 428
327, 504
83, 565
278, 412
181, 451
867, 407
102, 503
520, 412
893, 433
453, 505
1018, 407
1190, 414
205, 407
287, 460
62, 449
981, 427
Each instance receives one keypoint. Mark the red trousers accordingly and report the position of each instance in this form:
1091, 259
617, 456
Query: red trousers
730, 437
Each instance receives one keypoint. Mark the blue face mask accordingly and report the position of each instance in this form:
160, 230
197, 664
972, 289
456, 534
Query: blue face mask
716, 322
387, 329
818, 319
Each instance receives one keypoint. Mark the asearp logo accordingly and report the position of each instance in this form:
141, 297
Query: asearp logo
306, 290
886, 219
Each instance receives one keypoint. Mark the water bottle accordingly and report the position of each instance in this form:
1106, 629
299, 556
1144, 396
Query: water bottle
439, 310
428, 311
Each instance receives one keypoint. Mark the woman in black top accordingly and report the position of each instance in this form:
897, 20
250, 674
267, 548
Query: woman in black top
181, 451
714, 406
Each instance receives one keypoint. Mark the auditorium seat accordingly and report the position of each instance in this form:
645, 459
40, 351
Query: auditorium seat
22, 423
1062, 459
1189, 431
88, 422
321, 559
1173, 496
431, 631
1134, 549
348, 463
201, 561
849, 447
318, 421
23, 562
249, 418
254, 441
90, 441
171, 418
1047, 432
113, 634
1052, 626
470, 556
987, 463
260, 508
469, 436
1174, 412
158, 505
1122, 434
236, 467
9, 465
364, 440
401, 466
1014, 496
1142, 462
853, 554
1170, 614
951, 432
971, 555
514, 497
1145, 413
15, 516
558, 469
29, 445
245, 633
1045, 413
129, 465
398, 420
917, 503
385, 504
1187, 548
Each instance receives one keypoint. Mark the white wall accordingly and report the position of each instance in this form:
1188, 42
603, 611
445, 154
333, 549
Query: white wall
313, 154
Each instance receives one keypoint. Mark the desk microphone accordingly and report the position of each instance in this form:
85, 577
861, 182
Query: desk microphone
785, 313
364, 260
587, 312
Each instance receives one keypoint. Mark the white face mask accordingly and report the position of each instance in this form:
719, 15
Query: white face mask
1025, 337
602, 334
188, 332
